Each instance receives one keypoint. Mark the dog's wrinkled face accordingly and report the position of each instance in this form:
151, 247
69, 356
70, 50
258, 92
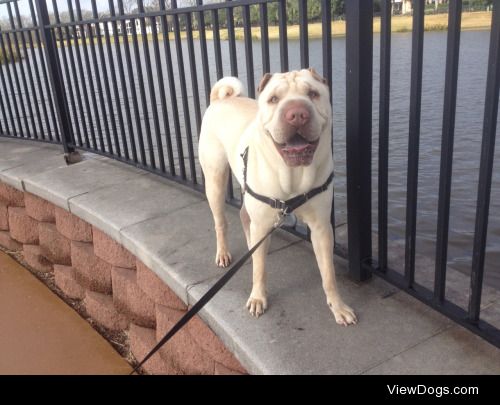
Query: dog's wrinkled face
294, 110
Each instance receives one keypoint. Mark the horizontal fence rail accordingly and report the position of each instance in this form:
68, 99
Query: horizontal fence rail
132, 83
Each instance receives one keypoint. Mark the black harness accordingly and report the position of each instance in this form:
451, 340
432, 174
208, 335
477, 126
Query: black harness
287, 206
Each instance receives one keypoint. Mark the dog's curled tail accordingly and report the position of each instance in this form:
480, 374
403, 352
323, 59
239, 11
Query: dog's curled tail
225, 88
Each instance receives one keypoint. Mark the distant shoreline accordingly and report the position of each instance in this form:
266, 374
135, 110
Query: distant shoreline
479, 20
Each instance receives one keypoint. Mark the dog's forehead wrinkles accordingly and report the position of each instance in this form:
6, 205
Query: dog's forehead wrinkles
279, 88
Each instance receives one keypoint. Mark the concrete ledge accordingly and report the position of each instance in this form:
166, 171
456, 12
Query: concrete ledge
169, 230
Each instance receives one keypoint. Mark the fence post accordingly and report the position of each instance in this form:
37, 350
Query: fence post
56, 81
359, 70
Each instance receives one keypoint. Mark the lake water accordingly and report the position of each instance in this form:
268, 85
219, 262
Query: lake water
469, 117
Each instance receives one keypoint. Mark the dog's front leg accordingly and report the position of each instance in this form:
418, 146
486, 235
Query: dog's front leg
257, 303
322, 241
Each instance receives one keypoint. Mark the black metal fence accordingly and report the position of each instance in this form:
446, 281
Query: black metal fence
133, 85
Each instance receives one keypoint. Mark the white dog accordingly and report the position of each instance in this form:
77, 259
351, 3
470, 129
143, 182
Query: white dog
285, 138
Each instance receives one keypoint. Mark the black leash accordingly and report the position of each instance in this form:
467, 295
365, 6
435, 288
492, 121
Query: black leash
209, 294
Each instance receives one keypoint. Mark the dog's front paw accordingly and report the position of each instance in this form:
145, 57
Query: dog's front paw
256, 306
223, 258
344, 315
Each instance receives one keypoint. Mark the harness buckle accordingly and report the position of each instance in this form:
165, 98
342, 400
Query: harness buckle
280, 205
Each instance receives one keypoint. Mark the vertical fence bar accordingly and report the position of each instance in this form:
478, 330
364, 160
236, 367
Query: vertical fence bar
66, 71
83, 132
19, 95
38, 115
7, 101
121, 73
414, 138
88, 135
4, 97
43, 67
55, 77
449, 109
204, 52
95, 118
217, 47
144, 107
13, 102
264, 38
232, 41
194, 86
133, 92
93, 35
173, 92
234, 72
152, 92
304, 35
24, 100
114, 81
182, 82
163, 100
359, 71
248, 51
486, 167
109, 102
196, 95
37, 68
2, 118
383, 132
282, 15
326, 44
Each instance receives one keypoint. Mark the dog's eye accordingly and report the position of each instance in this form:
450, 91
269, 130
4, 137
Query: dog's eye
274, 100
313, 94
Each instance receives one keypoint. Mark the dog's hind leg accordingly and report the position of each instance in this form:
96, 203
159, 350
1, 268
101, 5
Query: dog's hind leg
216, 170
215, 186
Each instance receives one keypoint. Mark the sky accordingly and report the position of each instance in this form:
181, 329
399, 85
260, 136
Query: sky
24, 8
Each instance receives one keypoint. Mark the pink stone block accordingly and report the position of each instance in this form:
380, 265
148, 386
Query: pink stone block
39, 209
156, 289
54, 246
22, 228
72, 227
8, 243
110, 251
142, 340
90, 271
33, 256
181, 351
4, 216
101, 309
130, 300
65, 278
13, 196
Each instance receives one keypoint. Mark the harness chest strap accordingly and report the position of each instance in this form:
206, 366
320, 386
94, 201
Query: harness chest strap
287, 206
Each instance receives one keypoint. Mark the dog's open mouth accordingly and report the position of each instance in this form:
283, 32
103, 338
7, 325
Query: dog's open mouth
297, 151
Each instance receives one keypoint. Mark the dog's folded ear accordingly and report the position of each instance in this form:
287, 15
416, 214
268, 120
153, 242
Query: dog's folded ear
317, 76
264, 82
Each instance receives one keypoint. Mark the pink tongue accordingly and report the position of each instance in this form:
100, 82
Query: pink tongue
296, 148
296, 144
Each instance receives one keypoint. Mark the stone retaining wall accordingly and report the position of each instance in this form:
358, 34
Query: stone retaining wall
117, 290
